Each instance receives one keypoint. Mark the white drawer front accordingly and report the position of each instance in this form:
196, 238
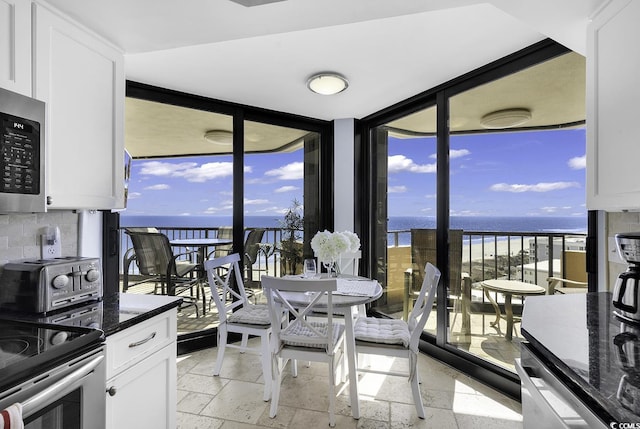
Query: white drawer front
133, 344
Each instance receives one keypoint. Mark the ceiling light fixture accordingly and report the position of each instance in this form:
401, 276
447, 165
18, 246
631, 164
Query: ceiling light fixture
507, 118
219, 137
327, 83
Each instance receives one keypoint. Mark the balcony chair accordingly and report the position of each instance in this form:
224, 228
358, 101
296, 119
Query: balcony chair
155, 260
225, 232
301, 338
237, 315
397, 338
574, 279
423, 250
130, 257
251, 254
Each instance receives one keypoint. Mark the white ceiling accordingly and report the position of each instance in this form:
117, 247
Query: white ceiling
262, 56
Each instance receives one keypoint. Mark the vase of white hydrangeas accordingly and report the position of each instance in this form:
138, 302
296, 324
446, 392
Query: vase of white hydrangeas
328, 246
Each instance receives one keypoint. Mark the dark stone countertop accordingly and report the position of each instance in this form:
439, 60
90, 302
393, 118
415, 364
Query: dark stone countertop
593, 352
130, 309
111, 315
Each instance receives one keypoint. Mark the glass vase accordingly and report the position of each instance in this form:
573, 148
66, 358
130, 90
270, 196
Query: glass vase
331, 267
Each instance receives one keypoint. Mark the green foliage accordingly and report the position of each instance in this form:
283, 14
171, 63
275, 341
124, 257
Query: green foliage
290, 247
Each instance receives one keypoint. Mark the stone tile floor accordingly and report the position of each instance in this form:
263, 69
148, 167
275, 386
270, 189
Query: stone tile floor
234, 399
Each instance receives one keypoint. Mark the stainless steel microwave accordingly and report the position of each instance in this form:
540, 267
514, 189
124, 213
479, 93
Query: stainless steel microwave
22, 162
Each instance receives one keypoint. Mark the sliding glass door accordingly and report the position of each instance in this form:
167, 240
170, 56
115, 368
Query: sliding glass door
484, 177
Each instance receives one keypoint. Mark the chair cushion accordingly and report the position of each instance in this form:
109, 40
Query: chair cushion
251, 315
385, 331
302, 331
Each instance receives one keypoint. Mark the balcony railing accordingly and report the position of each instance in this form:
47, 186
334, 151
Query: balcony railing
524, 256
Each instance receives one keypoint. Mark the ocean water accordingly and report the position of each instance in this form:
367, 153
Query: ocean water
396, 223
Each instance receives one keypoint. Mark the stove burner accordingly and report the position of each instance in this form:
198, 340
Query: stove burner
11, 349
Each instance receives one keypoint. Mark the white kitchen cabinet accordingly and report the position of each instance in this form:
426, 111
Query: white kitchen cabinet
613, 91
15, 46
141, 375
80, 77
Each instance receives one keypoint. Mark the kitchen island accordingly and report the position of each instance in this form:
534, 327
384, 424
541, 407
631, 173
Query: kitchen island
589, 350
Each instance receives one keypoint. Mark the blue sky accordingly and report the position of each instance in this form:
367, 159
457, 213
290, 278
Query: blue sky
505, 174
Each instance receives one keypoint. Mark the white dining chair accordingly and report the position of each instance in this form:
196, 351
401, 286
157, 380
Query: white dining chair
302, 338
397, 338
237, 315
349, 262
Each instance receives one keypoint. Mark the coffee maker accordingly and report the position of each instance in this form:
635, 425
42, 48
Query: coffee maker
626, 293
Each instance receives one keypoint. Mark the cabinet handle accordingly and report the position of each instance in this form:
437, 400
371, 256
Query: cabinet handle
112, 391
141, 342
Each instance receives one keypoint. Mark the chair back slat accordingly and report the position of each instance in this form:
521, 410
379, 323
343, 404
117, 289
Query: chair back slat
225, 283
424, 303
299, 330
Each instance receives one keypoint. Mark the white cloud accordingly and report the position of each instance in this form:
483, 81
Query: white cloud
134, 195
249, 202
538, 187
398, 163
397, 189
454, 153
293, 171
286, 189
208, 171
578, 163
190, 170
158, 187
157, 168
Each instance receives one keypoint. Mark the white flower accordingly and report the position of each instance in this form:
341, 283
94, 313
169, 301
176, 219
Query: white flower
328, 246
354, 241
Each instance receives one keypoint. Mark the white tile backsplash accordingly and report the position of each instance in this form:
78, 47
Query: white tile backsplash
19, 234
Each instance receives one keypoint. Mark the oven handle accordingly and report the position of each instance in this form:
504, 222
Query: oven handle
60, 388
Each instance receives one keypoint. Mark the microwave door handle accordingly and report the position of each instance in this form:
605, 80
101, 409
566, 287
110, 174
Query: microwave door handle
60, 388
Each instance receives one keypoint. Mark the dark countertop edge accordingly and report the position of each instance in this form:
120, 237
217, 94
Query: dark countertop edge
586, 393
113, 305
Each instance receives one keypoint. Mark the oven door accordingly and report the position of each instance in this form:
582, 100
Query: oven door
70, 396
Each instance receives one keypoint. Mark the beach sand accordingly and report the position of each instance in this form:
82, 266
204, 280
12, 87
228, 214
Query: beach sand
491, 248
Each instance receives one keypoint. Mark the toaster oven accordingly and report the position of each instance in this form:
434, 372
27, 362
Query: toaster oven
46, 285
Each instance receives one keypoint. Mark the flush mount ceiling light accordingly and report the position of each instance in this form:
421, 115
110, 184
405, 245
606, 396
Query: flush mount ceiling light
220, 137
327, 83
507, 118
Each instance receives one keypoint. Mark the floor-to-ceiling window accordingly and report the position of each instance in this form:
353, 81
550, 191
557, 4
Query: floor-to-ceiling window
484, 177
207, 168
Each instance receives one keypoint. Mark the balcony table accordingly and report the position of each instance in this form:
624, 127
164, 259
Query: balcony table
345, 305
508, 288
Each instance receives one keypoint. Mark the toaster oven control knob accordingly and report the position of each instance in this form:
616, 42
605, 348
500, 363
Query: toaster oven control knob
60, 281
93, 275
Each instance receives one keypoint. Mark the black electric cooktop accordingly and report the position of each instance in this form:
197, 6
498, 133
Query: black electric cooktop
28, 348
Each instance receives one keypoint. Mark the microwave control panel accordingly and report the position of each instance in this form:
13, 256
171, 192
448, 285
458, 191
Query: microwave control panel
20, 157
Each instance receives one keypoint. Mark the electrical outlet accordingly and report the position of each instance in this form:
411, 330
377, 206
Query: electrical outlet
50, 243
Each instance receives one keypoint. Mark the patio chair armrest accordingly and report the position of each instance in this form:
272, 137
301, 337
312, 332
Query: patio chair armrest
190, 253
554, 281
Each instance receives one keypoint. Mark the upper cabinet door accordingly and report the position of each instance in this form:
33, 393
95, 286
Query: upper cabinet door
15, 46
81, 79
613, 108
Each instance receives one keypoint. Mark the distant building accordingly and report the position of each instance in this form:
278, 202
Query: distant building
527, 272
539, 248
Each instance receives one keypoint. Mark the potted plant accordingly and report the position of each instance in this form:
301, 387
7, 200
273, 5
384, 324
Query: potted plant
290, 245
